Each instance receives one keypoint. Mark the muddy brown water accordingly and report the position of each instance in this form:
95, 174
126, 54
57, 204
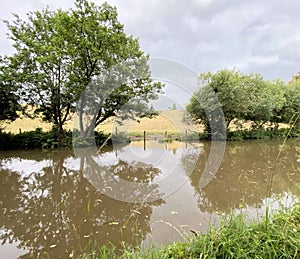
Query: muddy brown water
61, 203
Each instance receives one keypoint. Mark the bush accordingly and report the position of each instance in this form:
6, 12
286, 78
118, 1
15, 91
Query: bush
98, 139
121, 138
261, 134
42, 140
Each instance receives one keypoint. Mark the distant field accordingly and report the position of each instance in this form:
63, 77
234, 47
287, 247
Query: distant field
169, 120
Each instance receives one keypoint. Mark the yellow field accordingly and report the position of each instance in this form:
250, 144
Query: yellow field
169, 120
25, 124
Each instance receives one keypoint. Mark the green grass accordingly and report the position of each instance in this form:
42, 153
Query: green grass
235, 238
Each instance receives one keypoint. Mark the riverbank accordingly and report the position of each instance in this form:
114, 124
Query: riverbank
39, 139
48, 139
275, 237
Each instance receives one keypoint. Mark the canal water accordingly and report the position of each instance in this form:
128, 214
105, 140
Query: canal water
60, 203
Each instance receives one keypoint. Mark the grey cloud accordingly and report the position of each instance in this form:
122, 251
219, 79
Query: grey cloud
26, 6
290, 50
210, 35
207, 35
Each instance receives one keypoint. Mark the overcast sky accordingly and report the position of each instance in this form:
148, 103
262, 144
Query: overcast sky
260, 36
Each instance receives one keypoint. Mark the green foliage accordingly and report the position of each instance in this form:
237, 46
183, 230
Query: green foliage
260, 134
121, 92
265, 100
44, 140
245, 98
97, 139
8, 98
58, 53
228, 87
292, 105
120, 137
30, 139
168, 139
194, 136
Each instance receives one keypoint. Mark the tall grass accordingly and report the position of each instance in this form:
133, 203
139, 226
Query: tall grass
235, 238
295, 117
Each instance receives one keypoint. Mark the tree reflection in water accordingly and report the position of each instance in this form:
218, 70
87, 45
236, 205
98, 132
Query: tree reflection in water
242, 178
57, 210
118, 179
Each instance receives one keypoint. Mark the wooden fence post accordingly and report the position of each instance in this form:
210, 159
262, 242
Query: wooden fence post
144, 140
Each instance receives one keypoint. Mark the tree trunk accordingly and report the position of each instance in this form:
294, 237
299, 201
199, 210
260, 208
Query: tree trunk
60, 134
228, 123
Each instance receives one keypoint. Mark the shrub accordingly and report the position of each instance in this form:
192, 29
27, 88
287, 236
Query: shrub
43, 140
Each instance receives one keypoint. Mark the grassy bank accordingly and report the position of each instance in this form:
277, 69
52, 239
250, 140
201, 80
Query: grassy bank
262, 134
48, 139
44, 140
279, 237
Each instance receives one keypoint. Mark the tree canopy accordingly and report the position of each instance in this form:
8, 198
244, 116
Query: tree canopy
291, 109
246, 98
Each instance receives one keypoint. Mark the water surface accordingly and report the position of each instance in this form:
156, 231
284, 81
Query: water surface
61, 203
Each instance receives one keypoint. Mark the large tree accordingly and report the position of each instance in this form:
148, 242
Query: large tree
241, 96
225, 89
58, 53
123, 91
